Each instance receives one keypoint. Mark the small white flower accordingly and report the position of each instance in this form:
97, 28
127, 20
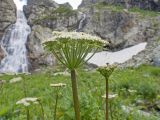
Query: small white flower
111, 96
58, 85
132, 91
27, 101
14, 80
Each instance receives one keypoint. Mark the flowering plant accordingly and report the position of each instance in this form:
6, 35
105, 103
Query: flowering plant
71, 49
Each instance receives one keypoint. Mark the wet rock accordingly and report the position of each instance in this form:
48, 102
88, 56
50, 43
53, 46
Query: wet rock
37, 55
7, 15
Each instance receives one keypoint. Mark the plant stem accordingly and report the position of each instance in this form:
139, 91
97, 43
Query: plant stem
107, 99
28, 115
55, 109
75, 94
41, 109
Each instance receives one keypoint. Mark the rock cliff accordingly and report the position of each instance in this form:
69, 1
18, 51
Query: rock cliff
107, 19
7, 17
44, 17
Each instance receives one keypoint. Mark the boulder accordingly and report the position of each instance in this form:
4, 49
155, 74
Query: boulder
156, 56
36, 54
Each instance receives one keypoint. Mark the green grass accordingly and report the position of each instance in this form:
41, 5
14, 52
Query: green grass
91, 86
54, 14
135, 10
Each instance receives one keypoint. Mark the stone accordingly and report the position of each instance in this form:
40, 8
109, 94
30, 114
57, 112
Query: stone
156, 57
36, 54
7, 15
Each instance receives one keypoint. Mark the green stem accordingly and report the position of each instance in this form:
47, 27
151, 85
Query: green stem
42, 109
55, 109
75, 94
27, 112
106, 99
24, 87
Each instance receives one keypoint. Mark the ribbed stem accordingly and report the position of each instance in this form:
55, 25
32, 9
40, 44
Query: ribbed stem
75, 94
107, 99
55, 108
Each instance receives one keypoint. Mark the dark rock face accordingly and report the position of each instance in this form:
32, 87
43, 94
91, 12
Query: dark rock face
7, 15
120, 28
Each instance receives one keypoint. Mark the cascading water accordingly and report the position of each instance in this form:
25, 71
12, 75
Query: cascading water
80, 26
14, 43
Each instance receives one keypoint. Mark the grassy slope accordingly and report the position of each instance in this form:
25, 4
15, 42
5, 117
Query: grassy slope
91, 87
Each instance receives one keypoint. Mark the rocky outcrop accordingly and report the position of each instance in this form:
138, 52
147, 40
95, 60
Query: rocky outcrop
44, 16
7, 15
37, 55
121, 28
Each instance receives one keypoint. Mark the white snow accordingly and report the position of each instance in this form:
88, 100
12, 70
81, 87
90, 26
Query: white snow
101, 58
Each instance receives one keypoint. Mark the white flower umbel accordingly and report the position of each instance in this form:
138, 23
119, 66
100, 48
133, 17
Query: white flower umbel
132, 91
58, 85
27, 101
75, 36
111, 96
14, 80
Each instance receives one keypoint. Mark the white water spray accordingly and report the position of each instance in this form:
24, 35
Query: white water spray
14, 43
80, 26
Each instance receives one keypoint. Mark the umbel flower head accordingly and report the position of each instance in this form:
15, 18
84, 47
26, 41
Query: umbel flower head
27, 101
58, 85
110, 96
107, 70
75, 36
71, 48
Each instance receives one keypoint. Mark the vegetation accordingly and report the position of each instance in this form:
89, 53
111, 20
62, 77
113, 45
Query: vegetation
62, 11
119, 8
72, 53
106, 72
91, 88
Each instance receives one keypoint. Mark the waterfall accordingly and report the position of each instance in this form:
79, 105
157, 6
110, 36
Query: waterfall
14, 41
80, 26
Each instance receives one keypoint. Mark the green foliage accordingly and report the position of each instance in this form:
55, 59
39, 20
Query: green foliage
119, 8
143, 79
91, 88
62, 11
144, 13
65, 11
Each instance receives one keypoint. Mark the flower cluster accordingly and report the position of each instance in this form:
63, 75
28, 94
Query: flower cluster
107, 70
60, 39
75, 36
27, 101
111, 96
58, 85
14, 80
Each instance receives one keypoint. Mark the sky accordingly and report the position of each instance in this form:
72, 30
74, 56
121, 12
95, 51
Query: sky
74, 3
